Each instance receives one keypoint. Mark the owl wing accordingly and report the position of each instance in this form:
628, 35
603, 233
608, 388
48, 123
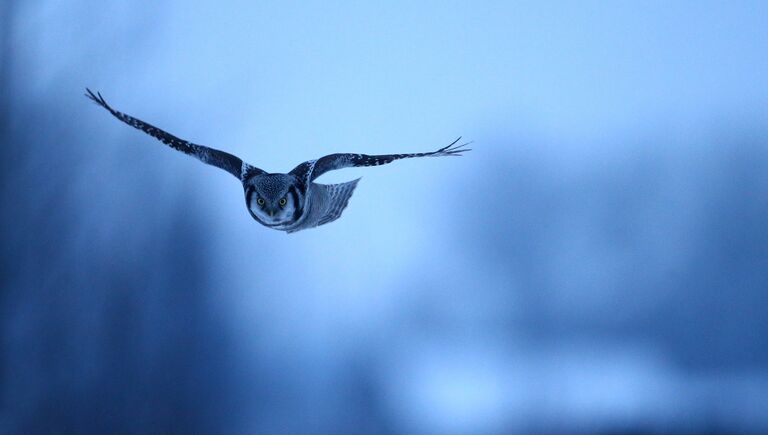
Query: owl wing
308, 171
328, 202
232, 164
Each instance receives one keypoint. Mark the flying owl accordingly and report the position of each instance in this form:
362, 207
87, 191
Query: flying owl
286, 202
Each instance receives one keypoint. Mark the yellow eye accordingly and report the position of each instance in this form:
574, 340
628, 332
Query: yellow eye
283, 201
260, 201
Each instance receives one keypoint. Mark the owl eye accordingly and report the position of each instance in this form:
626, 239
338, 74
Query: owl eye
283, 201
260, 201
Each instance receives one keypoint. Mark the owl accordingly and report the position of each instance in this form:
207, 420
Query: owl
286, 202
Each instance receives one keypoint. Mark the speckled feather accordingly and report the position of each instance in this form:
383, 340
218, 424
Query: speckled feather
287, 202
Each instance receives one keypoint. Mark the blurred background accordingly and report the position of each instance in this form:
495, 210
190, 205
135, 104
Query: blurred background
598, 262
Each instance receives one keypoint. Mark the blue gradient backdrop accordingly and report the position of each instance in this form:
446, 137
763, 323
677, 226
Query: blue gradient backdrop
599, 262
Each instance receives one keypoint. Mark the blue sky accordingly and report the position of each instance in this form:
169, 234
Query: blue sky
428, 271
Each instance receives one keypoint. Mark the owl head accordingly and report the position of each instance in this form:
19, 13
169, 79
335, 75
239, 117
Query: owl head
272, 198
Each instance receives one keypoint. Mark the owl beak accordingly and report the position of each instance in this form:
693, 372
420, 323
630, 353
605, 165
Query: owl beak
271, 213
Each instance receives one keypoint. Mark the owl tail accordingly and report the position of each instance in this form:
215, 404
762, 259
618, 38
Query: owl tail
338, 197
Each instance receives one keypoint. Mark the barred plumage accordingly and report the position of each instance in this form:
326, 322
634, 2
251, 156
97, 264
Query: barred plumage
287, 202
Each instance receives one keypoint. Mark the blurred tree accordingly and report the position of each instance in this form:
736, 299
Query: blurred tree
98, 334
6, 55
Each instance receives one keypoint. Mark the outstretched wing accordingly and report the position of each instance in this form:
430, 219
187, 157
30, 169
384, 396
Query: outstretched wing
232, 164
315, 168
